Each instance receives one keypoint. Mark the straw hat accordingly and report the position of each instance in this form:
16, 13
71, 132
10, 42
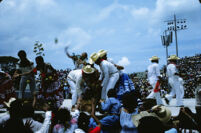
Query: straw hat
12, 99
161, 112
90, 60
88, 69
154, 58
173, 57
136, 118
102, 53
94, 57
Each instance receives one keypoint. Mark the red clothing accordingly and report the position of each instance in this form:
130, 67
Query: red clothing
157, 87
94, 130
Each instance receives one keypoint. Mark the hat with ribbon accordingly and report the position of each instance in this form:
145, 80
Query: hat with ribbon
173, 57
88, 69
154, 58
102, 53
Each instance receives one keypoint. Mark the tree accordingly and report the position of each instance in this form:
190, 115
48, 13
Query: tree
38, 49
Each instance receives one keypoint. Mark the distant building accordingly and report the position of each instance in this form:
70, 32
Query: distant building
8, 63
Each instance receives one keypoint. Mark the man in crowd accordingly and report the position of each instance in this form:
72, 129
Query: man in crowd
154, 79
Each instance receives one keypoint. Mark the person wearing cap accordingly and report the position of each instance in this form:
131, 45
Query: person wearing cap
153, 78
109, 72
173, 80
76, 81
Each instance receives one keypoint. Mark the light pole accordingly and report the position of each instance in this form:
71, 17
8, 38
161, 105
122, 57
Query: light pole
166, 40
175, 25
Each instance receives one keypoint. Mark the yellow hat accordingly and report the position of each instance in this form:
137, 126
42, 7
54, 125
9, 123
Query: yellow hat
88, 69
154, 58
102, 53
90, 60
173, 57
94, 57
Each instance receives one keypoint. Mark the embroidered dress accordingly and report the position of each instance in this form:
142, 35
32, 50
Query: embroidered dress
51, 89
125, 85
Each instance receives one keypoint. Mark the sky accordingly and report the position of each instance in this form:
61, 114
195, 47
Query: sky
129, 30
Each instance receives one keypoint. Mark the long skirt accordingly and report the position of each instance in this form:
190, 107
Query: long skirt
125, 85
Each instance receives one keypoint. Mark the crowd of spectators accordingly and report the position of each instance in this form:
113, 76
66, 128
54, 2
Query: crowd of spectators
190, 70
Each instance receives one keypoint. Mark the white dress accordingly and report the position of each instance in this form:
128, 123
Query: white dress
127, 123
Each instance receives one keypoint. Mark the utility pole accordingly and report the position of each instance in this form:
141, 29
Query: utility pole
175, 25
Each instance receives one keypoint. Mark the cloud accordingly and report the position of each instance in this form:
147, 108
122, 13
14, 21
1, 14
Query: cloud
124, 61
128, 29
76, 37
140, 12
109, 10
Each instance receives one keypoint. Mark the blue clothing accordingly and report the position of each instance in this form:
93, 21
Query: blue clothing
172, 130
109, 121
92, 123
127, 123
125, 85
111, 105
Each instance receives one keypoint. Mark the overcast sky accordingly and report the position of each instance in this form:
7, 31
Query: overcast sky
128, 29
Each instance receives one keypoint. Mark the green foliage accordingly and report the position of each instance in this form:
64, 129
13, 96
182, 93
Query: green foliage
38, 49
